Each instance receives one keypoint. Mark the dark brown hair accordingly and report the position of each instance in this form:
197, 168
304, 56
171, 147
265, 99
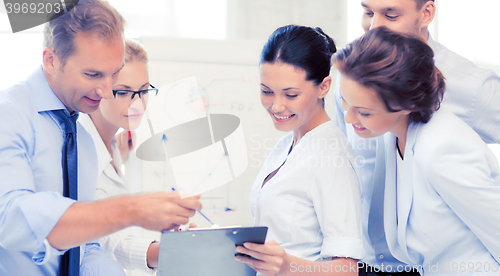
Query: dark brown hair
400, 68
304, 47
309, 49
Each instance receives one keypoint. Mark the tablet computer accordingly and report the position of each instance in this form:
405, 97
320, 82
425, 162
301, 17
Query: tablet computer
206, 252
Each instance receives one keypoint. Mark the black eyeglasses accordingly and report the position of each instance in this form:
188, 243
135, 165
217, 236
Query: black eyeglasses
128, 95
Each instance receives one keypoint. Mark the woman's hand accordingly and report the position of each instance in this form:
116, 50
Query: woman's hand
269, 259
125, 141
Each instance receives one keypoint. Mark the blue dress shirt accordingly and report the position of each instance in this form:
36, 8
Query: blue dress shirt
31, 201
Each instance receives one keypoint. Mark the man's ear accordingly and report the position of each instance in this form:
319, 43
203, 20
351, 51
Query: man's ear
325, 87
50, 60
428, 13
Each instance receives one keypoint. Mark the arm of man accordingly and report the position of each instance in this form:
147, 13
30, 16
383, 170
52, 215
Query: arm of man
30, 190
128, 249
86, 221
32, 209
487, 110
338, 115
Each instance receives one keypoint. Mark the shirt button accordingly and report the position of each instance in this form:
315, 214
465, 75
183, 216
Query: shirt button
381, 256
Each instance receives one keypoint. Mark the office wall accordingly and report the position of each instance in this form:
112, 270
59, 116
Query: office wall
257, 19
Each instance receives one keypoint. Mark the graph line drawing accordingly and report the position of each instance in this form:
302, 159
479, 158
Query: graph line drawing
203, 150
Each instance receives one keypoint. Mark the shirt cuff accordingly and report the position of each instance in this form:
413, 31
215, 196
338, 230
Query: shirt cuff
345, 247
43, 257
138, 255
96, 262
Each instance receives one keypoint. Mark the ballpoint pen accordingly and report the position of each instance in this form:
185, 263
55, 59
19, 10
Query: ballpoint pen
213, 224
206, 218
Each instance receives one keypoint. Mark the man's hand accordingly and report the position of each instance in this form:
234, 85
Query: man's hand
163, 211
86, 221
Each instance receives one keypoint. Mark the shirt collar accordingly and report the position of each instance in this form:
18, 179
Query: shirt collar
44, 97
431, 41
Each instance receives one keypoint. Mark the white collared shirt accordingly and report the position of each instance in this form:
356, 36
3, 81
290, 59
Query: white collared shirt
312, 204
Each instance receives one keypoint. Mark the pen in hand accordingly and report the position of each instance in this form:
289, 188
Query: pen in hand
213, 224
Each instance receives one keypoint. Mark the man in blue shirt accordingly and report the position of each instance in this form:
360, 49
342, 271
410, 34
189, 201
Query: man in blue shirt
84, 52
472, 94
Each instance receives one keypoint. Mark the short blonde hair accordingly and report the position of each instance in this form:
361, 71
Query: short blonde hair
134, 51
88, 16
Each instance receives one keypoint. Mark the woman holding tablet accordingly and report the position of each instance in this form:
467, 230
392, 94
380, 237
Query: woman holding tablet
307, 191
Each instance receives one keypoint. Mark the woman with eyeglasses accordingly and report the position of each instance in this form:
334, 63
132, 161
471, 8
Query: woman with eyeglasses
131, 91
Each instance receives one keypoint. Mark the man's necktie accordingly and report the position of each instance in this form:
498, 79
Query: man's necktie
376, 215
70, 261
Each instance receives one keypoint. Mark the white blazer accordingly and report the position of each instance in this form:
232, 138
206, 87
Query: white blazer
447, 218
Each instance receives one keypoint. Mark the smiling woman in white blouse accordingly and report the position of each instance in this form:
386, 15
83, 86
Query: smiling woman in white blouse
131, 93
307, 191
